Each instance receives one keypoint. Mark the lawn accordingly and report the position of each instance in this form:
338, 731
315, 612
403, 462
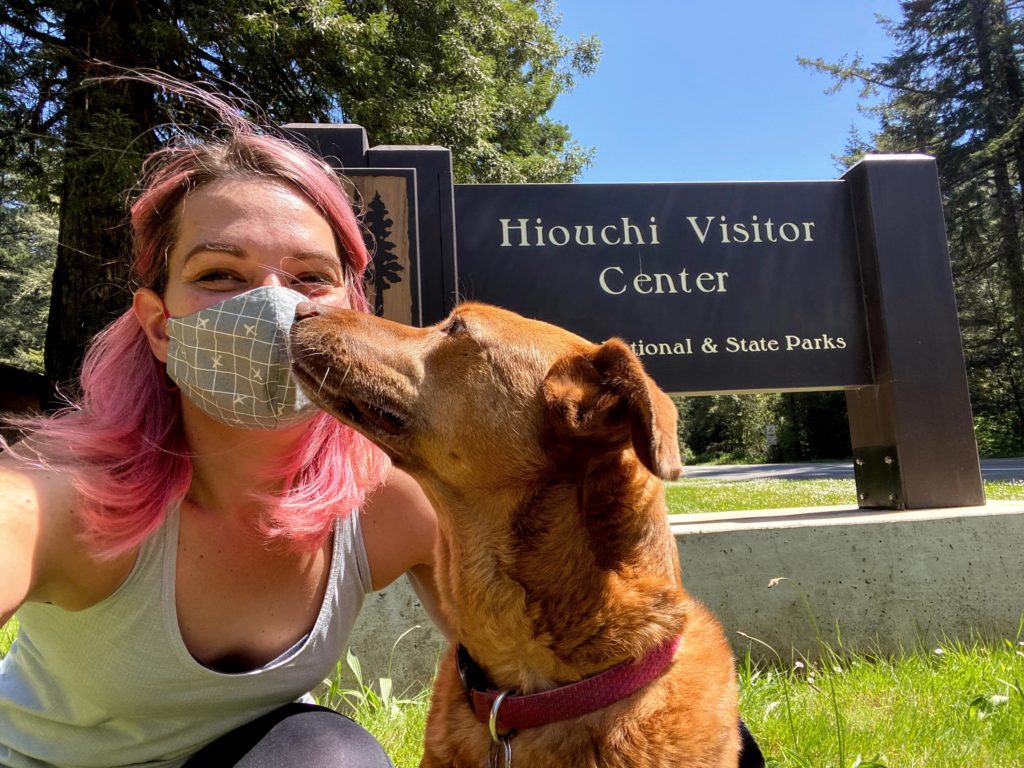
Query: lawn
720, 496
954, 706
960, 704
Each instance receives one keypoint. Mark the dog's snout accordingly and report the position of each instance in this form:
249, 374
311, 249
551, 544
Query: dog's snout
306, 309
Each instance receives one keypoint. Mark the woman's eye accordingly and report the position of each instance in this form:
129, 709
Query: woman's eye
315, 278
217, 276
315, 283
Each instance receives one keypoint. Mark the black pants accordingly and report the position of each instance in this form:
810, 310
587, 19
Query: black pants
750, 753
295, 735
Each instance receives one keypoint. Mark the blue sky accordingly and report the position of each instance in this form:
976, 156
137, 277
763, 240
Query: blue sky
705, 90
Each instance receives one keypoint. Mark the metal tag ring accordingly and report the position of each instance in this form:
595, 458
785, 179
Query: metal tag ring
492, 724
500, 750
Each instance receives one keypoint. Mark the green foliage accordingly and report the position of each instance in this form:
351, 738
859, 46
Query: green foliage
996, 436
397, 721
714, 429
476, 76
732, 428
954, 88
28, 237
363, 698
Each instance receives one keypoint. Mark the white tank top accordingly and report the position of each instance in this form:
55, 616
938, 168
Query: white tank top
114, 685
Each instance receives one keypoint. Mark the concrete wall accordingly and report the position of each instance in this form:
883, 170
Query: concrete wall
387, 616
889, 580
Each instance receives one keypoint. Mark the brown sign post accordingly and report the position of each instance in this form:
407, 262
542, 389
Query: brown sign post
417, 180
912, 431
730, 287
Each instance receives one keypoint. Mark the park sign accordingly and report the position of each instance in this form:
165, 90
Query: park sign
716, 287
726, 287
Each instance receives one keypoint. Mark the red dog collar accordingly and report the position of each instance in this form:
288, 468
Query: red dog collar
516, 712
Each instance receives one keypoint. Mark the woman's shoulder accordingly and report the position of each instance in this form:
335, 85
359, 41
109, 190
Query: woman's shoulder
36, 504
29, 499
40, 540
29, 485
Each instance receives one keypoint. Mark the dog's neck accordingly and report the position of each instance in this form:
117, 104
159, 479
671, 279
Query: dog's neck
576, 576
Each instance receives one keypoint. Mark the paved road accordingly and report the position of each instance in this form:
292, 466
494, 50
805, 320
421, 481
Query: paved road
991, 469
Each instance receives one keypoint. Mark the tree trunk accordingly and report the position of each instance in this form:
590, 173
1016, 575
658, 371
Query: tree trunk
106, 137
1008, 75
996, 122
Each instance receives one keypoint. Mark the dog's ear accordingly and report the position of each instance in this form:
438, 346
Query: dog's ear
606, 395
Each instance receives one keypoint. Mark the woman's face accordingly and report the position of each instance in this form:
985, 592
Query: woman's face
236, 235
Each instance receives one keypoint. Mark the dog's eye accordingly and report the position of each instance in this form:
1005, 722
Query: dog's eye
455, 325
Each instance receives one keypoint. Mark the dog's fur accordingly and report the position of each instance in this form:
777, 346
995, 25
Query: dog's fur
541, 453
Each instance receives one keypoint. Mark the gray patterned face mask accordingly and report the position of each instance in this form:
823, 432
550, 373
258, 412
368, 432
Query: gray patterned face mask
231, 359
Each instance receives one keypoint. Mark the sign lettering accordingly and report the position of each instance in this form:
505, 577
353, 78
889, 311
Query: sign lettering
718, 287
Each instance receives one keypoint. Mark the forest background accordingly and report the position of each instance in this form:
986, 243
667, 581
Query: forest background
479, 77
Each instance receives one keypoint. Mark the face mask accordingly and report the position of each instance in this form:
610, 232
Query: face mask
231, 359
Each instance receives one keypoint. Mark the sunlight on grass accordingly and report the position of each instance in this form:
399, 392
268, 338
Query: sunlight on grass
1012, 491
397, 720
956, 706
7, 633
688, 496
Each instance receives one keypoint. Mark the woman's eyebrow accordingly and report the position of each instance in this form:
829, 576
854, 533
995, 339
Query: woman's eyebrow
234, 250
327, 256
228, 248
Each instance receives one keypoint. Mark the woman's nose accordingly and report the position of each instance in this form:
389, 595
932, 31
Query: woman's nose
272, 279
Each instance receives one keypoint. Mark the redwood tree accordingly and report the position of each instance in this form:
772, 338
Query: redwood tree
477, 76
953, 88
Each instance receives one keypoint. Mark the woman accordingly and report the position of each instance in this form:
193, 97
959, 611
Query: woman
185, 566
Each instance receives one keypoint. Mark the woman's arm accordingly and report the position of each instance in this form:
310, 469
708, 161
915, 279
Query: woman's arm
29, 524
399, 532
42, 558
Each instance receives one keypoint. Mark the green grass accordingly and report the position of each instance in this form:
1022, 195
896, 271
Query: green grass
688, 496
956, 706
1013, 491
7, 633
396, 720
959, 705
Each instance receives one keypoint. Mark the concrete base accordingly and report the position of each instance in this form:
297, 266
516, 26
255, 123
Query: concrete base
394, 637
873, 581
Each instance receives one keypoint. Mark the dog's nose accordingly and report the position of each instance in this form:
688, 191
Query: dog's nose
306, 309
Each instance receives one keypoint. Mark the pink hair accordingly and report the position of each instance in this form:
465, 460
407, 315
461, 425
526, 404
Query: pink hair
123, 445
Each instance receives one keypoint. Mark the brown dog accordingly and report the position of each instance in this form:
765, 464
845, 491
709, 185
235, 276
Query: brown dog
541, 453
